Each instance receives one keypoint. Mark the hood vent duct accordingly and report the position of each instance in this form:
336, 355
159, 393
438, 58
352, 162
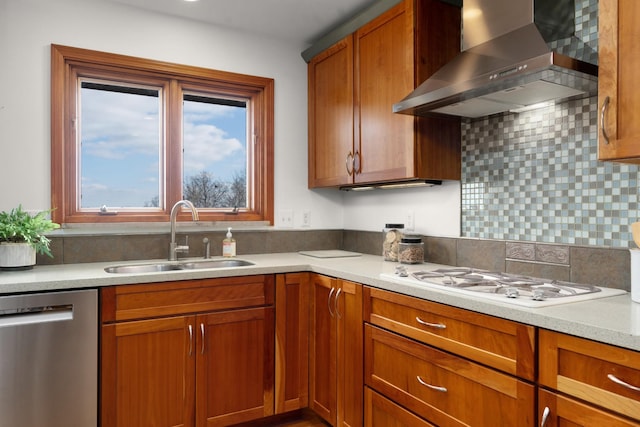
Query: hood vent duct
517, 53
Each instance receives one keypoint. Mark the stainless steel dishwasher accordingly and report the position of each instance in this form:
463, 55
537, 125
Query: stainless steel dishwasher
49, 359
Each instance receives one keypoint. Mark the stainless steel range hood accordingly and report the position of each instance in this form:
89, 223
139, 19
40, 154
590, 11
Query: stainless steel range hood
517, 53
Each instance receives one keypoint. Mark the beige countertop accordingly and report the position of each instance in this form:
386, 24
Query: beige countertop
613, 320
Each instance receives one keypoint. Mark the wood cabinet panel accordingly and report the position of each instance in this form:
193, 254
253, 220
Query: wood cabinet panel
443, 388
618, 86
148, 373
567, 412
331, 121
385, 75
335, 351
499, 343
292, 341
235, 359
188, 296
382, 412
323, 348
199, 369
354, 137
563, 366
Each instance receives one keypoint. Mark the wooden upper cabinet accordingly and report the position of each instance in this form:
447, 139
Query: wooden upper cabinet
388, 58
618, 85
331, 115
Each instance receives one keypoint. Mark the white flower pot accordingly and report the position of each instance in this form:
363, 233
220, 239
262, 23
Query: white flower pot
18, 256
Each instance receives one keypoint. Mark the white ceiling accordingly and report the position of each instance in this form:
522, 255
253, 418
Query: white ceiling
298, 21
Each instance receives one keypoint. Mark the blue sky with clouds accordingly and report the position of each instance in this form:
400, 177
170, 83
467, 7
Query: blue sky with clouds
120, 157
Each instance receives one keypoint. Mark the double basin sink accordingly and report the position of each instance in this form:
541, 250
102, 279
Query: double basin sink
156, 267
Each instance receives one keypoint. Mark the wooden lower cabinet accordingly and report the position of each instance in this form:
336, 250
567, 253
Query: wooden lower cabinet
148, 373
234, 366
335, 351
602, 375
202, 369
558, 411
382, 412
443, 388
292, 342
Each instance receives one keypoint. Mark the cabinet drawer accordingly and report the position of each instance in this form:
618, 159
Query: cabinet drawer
188, 296
381, 412
566, 411
591, 371
502, 344
443, 388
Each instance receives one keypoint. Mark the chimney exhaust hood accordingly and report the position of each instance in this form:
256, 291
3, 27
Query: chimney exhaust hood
516, 53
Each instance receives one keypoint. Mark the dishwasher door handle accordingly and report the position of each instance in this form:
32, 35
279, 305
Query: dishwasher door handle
34, 315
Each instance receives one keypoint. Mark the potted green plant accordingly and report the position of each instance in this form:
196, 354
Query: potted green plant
22, 236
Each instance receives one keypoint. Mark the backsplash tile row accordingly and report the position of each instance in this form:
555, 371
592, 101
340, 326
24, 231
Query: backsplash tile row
535, 176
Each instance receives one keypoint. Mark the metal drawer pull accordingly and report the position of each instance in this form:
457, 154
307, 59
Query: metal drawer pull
603, 113
337, 309
432, 325
545, 415
190, 340
329, 301
202, 336
432, 387
622, 383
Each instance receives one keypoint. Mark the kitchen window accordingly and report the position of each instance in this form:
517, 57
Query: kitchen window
131, 136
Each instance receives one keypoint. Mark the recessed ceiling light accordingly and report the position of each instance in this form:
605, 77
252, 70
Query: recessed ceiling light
190, 1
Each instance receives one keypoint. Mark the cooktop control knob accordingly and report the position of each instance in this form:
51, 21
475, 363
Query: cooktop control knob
537, 295
512, 293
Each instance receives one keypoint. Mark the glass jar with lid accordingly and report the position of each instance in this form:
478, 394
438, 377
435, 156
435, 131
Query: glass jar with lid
391, 236
411, 250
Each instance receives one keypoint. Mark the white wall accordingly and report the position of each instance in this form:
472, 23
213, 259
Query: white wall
28, 27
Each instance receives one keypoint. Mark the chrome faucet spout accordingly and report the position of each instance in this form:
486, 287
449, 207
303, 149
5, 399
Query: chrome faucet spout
173, 246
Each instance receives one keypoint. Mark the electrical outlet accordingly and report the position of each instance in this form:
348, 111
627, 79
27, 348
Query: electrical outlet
409, 221
306, 218
286, 218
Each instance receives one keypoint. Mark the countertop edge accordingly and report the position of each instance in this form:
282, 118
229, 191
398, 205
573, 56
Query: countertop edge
612, 320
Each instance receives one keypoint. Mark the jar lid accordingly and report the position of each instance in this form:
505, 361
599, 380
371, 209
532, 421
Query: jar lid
411, 239
394, 226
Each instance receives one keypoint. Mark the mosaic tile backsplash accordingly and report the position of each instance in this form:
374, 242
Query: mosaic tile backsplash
535, 176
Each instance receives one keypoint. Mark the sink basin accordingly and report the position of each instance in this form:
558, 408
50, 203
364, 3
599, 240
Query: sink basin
160, 266
215, 263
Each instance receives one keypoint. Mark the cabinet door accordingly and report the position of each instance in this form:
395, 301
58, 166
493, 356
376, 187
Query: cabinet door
385, 75
323, 348
148, 372
555, 410
235, 357
331, 122
350, 379
292, 341
618, 88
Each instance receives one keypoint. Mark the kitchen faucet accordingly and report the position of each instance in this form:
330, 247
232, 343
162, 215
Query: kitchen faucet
174, 248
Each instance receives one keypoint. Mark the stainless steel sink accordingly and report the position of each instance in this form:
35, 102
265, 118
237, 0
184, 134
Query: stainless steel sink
215, 263
160, 266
